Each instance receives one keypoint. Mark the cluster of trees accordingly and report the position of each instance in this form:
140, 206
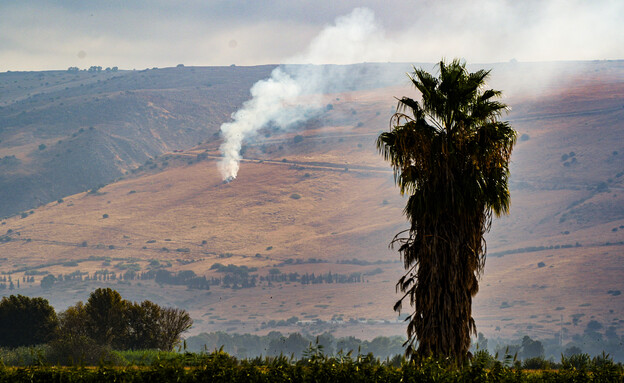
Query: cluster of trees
235, 277
26, 321
527, 349
276, 276
239, 276
12, 285
591, 342
104, 321
101, 275
185, 278
94, 68
244, 280
330, 278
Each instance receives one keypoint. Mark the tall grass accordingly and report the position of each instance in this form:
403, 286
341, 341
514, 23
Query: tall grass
155, 366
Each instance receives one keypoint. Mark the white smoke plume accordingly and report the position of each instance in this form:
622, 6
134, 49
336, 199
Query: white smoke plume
292, 93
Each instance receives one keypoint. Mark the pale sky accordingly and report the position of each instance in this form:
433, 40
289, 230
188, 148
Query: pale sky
139, 34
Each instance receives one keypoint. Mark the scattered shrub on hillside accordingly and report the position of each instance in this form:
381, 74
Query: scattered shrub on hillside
104, 216
48, 281
295, 196
36, 272
70, 264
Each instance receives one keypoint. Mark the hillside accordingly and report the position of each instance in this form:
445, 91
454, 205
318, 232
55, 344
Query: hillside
326, 203
63, 132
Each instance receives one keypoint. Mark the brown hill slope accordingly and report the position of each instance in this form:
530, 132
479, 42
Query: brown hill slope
72, 131
327, 204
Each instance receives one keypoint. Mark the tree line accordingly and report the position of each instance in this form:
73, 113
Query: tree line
85, 330
234, 277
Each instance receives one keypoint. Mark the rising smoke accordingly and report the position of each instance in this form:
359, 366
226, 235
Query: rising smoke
293, 92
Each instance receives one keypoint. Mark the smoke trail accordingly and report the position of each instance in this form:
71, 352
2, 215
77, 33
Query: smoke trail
293, 92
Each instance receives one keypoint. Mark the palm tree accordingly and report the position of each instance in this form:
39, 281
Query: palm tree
451, 156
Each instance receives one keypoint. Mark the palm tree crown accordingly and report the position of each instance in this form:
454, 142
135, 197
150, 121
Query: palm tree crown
450, 154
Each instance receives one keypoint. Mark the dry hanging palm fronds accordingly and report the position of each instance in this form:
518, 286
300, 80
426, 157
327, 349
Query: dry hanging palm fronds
451, 156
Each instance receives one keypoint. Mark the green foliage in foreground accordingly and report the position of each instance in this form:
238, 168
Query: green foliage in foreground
313, 367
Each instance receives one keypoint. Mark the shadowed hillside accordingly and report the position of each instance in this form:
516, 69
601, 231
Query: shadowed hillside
72, 131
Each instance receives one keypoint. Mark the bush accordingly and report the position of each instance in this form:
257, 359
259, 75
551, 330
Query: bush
576, 361
80, 350
48, 281
295, 196
24, 356
536, 363
104, 216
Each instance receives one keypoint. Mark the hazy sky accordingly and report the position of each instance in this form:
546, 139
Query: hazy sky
38, 34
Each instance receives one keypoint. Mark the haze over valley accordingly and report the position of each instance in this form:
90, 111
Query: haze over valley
110, 178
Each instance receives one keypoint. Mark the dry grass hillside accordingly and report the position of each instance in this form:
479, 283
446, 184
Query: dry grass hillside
326, 203
63, 132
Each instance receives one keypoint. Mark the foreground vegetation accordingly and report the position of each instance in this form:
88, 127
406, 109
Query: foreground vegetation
89, 332
133, 366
